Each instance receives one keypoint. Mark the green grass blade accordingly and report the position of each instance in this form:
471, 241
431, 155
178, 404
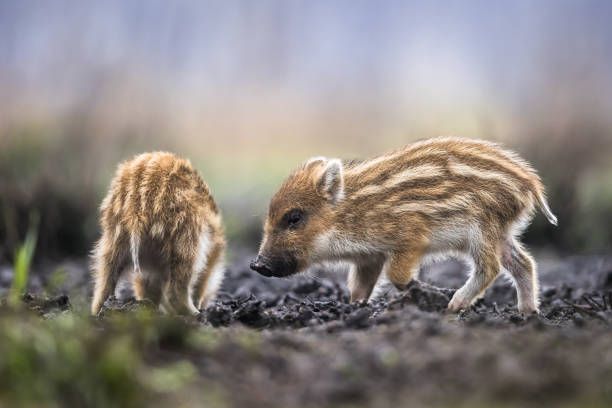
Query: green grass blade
22, 262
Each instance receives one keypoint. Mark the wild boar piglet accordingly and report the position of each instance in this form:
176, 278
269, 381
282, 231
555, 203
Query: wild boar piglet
443, 196
160, 221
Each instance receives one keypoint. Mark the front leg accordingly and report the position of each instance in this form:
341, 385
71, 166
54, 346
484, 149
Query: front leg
403, 266
363, 277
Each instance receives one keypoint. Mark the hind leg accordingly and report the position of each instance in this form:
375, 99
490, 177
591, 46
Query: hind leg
521, 267
214, 281
147, 287
209, 279
487, 267
177, 293
109, 260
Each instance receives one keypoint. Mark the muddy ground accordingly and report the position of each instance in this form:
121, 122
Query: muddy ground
299, 342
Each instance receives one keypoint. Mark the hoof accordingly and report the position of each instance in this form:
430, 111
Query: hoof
402, 287
456, 305
528, 311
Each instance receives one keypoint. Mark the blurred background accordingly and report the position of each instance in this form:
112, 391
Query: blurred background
249, 89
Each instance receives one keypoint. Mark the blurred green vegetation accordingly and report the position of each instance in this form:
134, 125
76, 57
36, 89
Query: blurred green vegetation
23, 260
126, 360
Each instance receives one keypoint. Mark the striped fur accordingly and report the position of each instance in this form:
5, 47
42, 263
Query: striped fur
159, 218
435, 197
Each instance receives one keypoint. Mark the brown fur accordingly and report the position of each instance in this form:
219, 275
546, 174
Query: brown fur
160, 218
439, 196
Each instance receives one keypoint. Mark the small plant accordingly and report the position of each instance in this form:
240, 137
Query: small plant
22, 262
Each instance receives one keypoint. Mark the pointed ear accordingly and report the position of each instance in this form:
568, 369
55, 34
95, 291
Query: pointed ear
315, 162
331, 180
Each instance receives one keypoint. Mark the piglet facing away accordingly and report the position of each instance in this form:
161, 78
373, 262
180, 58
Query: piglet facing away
160, 220
444, 196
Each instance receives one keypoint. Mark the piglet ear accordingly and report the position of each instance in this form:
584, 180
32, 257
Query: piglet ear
314, 162
331, 180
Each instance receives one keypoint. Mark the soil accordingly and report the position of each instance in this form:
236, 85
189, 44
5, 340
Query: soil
315, 348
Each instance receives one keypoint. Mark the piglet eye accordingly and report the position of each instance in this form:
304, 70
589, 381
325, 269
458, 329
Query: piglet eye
294, 217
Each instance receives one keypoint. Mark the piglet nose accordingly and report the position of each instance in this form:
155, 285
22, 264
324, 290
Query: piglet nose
258, 265
255, 264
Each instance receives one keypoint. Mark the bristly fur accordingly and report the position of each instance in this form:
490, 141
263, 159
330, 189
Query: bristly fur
159, 218
435, 197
